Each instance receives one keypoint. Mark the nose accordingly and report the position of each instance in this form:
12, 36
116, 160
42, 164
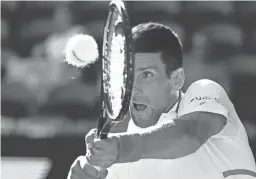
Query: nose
136, 90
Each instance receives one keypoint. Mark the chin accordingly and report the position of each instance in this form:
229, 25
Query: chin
143, 122
142, 125
145, 118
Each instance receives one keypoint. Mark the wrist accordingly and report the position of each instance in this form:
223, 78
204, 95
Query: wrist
130, 148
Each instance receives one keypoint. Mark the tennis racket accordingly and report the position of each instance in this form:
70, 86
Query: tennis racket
117, 68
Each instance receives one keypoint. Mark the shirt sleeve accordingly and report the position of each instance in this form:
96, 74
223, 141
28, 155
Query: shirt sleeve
208, 96
118, 171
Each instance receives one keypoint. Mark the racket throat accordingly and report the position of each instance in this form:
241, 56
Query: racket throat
103, 133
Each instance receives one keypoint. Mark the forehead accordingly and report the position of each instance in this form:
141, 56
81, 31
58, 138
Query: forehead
148, 59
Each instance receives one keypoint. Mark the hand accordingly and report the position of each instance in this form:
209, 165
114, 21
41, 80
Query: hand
81, 169
102, 152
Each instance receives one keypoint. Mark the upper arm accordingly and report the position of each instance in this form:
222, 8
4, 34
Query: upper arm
205, 105
203, 125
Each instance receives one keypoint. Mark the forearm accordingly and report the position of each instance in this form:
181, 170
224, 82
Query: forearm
166, 141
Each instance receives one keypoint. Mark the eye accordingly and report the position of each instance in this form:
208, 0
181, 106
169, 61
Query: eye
147, 74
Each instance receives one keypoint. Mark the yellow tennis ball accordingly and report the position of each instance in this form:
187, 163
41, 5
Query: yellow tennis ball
81, 50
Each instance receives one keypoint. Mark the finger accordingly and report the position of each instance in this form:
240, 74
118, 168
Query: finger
84, 170
90, 160
103, 143
74, 172
95, 163
91, 135
77, 171
103, 173
96, 157
93, 160
88, 156
96, 154
91, 170
102, 163
100, 143
106, 164
89, 138
101, 154
74, 177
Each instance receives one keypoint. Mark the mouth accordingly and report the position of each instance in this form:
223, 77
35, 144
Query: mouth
139, 107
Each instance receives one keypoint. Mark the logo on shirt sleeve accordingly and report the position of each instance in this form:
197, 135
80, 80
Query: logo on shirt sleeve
203, 99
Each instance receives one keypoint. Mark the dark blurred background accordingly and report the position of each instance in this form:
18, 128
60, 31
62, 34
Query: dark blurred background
47, 107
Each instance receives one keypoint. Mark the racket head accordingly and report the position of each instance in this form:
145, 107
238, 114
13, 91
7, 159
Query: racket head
117, 68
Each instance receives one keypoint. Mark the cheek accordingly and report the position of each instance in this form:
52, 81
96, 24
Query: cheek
157, 92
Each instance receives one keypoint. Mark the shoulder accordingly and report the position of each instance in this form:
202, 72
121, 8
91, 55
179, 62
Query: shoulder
204, 82
205, 96
205, 90
205, 85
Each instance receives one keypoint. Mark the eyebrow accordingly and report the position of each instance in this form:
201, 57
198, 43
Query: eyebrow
146, 68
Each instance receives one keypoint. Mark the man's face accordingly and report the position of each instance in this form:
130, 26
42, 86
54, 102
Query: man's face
152, 89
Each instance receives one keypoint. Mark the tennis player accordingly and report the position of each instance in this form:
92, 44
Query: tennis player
171, 135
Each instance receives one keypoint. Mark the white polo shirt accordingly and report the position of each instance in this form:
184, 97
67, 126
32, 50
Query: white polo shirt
225, 155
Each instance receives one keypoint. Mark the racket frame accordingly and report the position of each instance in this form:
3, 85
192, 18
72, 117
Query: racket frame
105, 122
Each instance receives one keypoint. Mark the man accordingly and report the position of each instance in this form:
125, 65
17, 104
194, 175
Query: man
195, 135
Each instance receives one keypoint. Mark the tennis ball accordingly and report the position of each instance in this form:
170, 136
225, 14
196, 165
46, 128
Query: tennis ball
81, 50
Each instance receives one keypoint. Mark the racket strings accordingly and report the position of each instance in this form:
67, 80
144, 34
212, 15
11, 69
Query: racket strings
117, 67
114, 71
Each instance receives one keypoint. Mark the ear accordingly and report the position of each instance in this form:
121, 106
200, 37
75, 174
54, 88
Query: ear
177, 79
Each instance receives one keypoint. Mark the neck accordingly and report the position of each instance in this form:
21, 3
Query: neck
176, 98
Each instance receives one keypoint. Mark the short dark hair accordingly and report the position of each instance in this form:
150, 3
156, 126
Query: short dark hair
155, 37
